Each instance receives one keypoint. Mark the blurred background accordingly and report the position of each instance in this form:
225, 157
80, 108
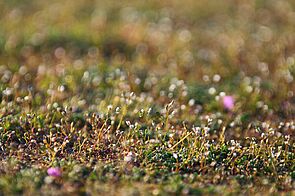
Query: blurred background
242, 47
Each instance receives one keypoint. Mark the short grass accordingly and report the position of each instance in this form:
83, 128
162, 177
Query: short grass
127, 98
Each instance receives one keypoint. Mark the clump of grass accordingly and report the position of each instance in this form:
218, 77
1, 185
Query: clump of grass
135, 143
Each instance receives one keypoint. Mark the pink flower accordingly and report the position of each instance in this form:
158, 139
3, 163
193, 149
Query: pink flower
54, 171
228, 102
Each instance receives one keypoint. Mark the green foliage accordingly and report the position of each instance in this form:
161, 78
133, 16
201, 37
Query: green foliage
127, 97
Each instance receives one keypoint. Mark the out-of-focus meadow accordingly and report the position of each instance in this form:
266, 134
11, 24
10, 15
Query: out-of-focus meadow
147, 97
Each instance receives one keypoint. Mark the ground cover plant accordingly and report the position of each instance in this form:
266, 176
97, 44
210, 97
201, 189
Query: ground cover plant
147, 97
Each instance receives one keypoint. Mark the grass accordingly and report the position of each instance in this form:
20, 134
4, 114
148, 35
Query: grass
127, 98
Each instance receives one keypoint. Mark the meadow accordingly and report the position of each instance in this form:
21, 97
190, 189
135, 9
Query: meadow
147, 97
